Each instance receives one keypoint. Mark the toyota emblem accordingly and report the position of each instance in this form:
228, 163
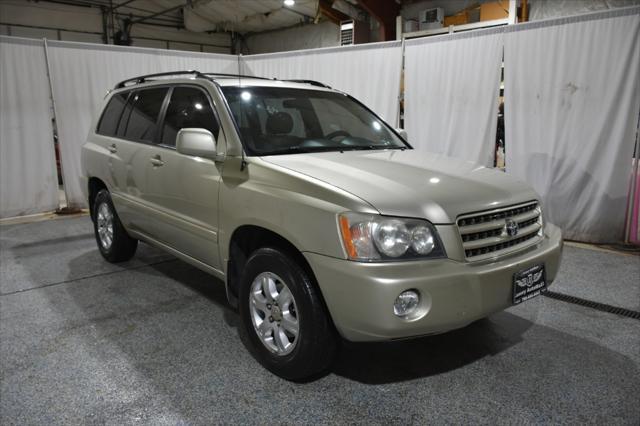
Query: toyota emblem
511, 226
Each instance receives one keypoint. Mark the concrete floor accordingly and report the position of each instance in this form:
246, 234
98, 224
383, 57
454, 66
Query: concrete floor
152, 341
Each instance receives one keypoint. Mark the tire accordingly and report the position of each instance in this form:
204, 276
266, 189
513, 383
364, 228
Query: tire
114, 243
314, 347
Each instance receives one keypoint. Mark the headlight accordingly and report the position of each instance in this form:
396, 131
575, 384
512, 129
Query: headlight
372, 237
392, 237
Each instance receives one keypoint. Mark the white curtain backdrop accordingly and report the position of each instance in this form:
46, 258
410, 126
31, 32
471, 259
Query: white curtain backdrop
452, 86
81, 75
28, 182
370, 73
572, 104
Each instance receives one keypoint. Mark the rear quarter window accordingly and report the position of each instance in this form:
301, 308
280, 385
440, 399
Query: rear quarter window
111, 115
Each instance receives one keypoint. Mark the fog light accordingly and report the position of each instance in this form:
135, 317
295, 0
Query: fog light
406, 303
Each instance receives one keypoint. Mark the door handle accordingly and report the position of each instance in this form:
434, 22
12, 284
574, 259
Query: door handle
156, 161
113, 148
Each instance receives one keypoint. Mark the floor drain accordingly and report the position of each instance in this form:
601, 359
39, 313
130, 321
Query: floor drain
594, 305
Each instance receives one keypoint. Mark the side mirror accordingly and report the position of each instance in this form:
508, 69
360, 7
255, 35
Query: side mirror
196, 142
403, 134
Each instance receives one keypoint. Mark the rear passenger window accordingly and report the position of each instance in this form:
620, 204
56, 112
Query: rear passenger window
143, 118
188, 107
111, 115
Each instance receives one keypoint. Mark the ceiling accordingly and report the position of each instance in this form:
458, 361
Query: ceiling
210, 15
246, 15
242, 16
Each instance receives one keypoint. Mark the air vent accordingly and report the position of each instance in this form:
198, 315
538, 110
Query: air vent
347, 33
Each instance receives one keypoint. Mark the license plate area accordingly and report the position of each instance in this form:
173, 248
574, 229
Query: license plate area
529, 283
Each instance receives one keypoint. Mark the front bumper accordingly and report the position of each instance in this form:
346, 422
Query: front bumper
453, 294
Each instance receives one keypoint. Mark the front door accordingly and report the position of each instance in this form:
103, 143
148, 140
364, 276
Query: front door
184, 189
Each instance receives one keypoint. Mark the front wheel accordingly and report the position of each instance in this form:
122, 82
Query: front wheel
284, 321
113, 241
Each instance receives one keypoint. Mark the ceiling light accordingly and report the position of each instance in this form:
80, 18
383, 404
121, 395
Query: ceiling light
289, 2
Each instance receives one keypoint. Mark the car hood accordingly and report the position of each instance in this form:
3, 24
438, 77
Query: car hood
411, 183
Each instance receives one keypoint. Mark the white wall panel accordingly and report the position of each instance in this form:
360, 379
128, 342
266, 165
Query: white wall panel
28, 181
370, 73
82, 74
571, 110
452, 86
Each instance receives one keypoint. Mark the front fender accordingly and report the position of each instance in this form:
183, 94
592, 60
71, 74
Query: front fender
299, 208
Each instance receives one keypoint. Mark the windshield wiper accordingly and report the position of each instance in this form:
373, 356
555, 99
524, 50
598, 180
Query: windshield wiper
370, 147
311, 149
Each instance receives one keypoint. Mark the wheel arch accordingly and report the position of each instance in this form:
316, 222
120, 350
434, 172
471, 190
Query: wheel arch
244, 240
94, 186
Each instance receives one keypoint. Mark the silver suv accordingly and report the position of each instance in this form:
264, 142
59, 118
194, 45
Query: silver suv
320, 219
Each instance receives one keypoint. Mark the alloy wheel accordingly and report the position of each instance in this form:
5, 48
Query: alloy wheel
273, 313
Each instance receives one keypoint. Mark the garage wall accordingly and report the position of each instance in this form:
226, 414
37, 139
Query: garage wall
28, 181
310, 36
64, 22
572, 102
369, 72
82, 73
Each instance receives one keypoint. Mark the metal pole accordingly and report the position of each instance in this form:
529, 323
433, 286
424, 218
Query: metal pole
400, 86
513, 12
55, 119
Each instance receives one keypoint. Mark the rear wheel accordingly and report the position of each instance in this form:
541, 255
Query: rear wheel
114, 243
284, 321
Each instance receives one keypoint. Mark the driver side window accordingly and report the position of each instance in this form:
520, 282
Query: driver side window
188, 107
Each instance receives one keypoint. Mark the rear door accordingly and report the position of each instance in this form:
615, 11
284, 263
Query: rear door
106, 138
184, 188
137, 130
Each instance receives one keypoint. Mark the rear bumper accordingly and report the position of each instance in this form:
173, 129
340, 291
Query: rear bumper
453, 294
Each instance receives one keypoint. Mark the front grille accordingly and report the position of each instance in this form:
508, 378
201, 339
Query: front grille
484, 234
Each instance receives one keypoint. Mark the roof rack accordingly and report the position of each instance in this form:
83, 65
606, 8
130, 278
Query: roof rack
207, 75
220, 74
311, 82
143, 78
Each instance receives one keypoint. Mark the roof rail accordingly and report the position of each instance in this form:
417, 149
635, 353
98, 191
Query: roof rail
207, 75
143, 78
220, 74
311, 82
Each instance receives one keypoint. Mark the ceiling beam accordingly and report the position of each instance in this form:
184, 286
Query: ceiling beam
385, 12
124, 3
162, 12
335, 16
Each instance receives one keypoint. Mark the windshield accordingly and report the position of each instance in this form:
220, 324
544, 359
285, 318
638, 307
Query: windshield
278, 120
